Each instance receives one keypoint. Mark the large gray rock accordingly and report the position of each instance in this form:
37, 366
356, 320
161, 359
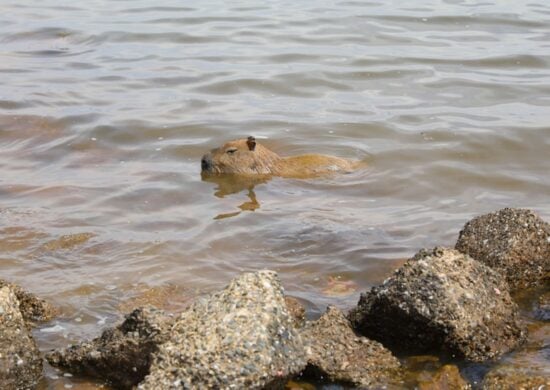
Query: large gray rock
32, 308
335, 352
515, 242
442, 300
240, 338
121, 355
20, 360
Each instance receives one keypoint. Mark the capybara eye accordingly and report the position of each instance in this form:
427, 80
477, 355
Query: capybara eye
231, 150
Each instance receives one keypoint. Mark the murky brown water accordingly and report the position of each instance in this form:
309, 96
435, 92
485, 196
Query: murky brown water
106, 108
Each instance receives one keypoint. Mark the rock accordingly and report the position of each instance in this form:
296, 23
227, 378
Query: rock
296, 310
32, 308
442, 301
241, 337
20, 360
516, 242
447, 377
512, 379
121, 355
542, 312
335, 352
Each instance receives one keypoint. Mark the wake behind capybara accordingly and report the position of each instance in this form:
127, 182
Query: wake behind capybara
247, 157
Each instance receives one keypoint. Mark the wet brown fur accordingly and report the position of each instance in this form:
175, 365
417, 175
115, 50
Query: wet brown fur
247, 157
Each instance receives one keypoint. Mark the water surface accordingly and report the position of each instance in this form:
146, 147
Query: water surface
107, 107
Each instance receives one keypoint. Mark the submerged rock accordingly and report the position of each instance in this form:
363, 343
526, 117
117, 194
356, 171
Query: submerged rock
20, 360
542, 312
442, 300
121, 355
527, 368
506, 378
334, 351
447, 377
32, 308
241, 337
516, 242
338, 287
428, 372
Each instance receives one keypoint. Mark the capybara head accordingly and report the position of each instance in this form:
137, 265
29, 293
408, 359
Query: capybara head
242, 156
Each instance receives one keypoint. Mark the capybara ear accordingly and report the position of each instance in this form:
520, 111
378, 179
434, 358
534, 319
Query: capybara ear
251, 142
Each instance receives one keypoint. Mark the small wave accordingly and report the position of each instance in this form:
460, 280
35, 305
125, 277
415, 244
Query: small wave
53, 329
41, 34
133, 37
512, 61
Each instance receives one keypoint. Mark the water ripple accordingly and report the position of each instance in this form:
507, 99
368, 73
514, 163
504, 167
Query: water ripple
106, 110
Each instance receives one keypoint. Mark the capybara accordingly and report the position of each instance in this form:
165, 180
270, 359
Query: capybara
247, 157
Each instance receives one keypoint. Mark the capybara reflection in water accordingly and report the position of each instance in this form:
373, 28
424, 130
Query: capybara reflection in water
247, 157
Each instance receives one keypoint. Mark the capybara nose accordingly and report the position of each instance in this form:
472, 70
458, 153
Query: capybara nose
206, 163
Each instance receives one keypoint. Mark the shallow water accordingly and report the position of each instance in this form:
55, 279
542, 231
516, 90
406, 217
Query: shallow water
107, 107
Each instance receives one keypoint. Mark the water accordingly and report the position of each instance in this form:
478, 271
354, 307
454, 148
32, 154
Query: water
107, 107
